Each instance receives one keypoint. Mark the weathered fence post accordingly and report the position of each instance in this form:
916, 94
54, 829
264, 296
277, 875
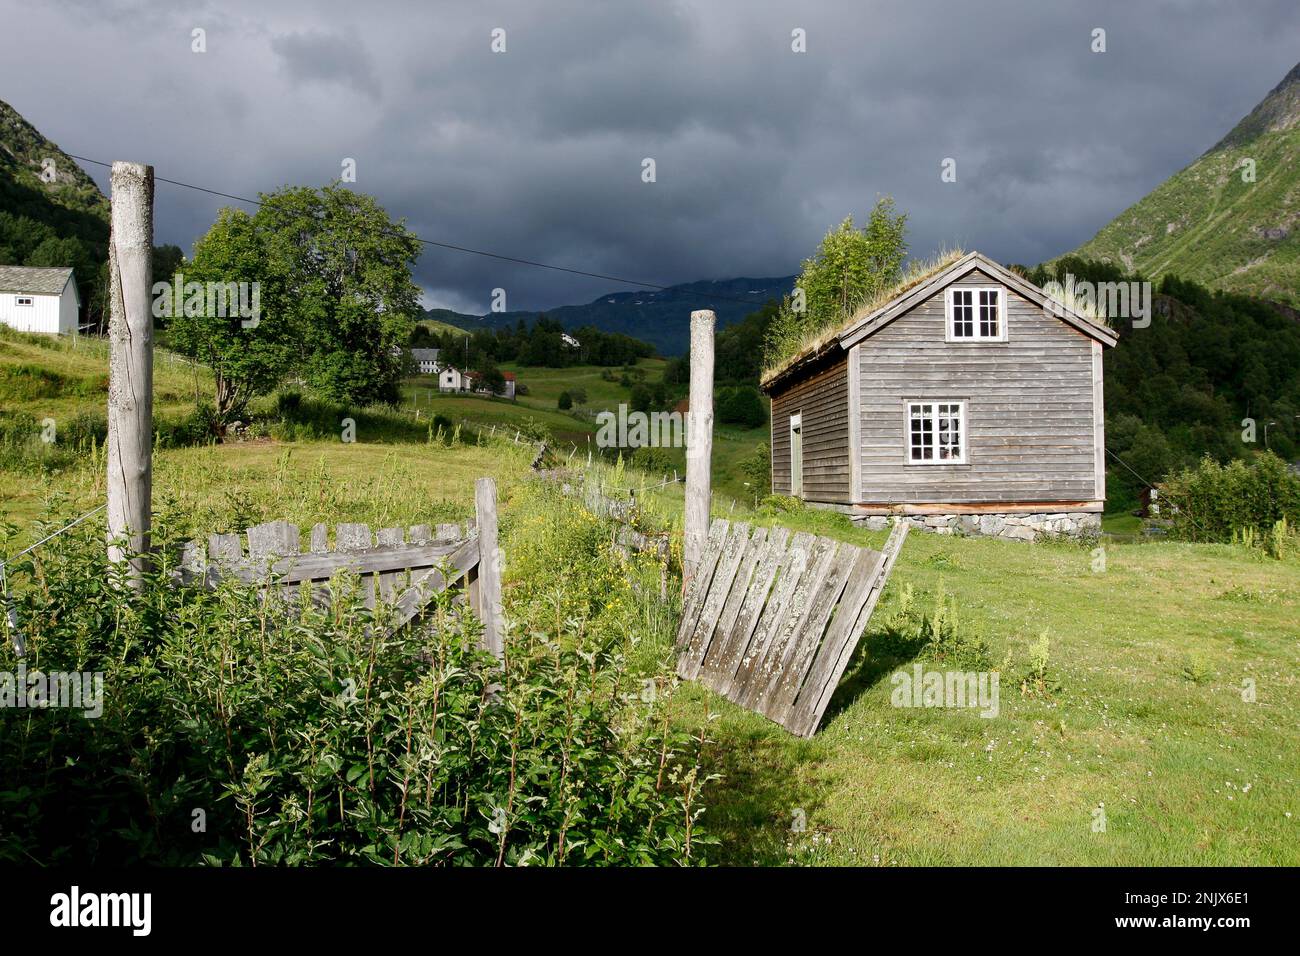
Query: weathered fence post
489, 563
130, 368
699, 441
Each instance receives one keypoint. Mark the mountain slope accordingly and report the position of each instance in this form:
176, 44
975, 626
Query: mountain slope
660, 317
1206, 223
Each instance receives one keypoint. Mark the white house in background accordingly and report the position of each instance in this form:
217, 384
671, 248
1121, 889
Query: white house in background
508, 391
426, 361
39, 300
451, 380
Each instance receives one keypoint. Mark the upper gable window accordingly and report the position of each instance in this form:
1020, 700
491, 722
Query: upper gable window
976, 314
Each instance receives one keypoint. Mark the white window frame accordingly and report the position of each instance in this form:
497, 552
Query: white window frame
949, 311
24, 300
963, 430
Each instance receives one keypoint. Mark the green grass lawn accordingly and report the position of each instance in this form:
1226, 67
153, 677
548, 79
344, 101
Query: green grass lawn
64, 376
1148, 723
224, 487
731, 444
546, 384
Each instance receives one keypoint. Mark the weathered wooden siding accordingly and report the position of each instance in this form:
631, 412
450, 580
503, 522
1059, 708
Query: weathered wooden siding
1029, 413
822, 399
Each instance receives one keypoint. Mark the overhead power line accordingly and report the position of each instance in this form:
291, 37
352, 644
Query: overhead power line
458, 248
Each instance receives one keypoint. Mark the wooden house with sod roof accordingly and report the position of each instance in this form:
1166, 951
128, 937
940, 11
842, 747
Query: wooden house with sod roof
970, 401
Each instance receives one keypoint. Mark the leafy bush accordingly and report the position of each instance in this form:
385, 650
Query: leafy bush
238, 730
1214, 502
757, 469
939, 633
656, 461
1038, 681
742, 405
533, 430
288, 404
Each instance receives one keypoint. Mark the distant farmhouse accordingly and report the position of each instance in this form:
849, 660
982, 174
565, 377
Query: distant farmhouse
39, 300
970, 402
452, 379
426, 361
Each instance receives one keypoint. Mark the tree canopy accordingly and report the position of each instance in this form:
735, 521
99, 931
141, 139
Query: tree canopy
849, 266
337, 302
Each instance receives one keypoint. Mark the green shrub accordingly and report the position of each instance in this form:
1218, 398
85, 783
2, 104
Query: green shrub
741, 405
237, 730
533, 430
655, 461
1214, 502
757, 469
288, 404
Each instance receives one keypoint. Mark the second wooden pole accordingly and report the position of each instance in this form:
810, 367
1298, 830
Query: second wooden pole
699, 442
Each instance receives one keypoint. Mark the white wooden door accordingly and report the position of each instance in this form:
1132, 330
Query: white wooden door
796, 455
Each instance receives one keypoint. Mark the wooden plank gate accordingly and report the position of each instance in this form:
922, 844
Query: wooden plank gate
403, 569
771, 619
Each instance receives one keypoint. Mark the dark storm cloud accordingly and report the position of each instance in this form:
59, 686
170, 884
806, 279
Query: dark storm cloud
537, 152
326, 58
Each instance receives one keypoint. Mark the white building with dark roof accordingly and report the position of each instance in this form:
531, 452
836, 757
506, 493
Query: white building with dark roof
426, 361
39, 300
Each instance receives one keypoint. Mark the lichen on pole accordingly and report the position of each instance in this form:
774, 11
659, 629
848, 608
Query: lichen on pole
130, 370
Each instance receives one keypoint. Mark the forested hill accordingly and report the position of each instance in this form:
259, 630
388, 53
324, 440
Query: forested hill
660, 317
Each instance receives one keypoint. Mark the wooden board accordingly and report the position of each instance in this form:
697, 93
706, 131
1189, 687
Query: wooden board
773, 618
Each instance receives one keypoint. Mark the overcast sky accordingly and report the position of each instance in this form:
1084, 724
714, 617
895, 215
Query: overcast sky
537, 152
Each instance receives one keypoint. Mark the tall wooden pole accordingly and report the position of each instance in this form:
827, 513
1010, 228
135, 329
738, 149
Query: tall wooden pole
699, 442
130, 366
490, 567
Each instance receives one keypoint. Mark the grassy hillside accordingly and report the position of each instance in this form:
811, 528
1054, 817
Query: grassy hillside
578, 427
1206, 223
63, 377
546, 384
439, 327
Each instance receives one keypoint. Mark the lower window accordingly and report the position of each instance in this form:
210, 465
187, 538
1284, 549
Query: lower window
936, 433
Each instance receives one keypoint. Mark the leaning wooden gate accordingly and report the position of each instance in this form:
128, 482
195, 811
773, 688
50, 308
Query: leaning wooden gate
402, 569
771, 618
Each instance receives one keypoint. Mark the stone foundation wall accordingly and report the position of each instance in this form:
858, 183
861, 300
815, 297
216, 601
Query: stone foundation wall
1022, 527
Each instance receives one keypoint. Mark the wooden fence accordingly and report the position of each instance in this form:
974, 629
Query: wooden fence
771, 618
403, 569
